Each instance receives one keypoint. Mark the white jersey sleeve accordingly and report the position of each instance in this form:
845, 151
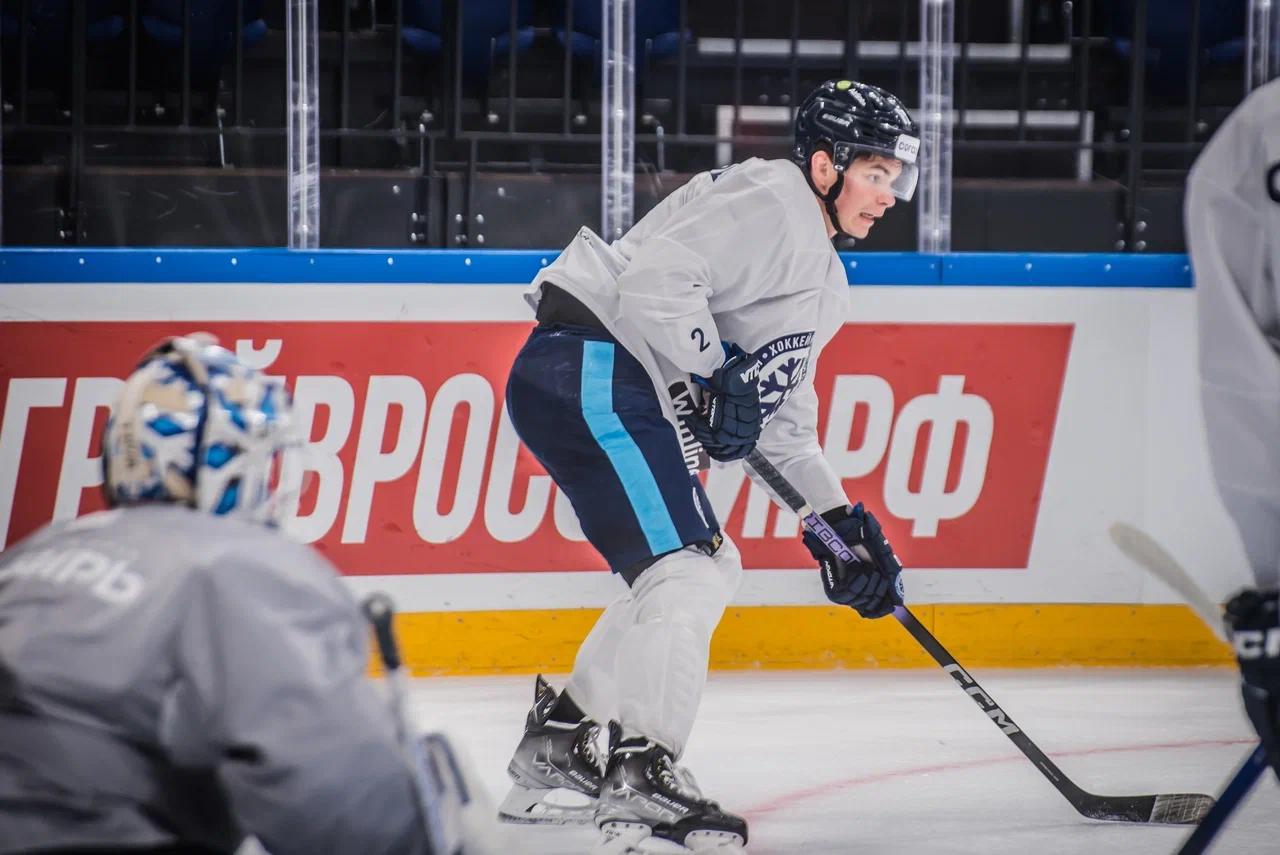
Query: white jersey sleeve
680, 263
790, 443
1232, 219
790, 439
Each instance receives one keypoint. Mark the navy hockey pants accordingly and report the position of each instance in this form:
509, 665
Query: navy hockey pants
589, 413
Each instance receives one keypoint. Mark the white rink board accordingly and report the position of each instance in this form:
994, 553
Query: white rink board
1128, 442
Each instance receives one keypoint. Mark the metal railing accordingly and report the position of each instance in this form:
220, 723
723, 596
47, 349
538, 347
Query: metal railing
434, 98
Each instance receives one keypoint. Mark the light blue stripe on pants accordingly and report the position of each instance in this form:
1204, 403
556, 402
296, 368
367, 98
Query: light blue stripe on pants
628, 462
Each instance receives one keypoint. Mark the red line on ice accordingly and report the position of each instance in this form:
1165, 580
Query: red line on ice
789, 799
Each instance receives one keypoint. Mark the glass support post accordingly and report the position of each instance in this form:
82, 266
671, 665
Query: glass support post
302, 38
937, 120
618, 119
2, 166
1262, 45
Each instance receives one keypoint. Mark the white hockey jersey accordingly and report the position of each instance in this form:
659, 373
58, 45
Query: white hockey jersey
1232, 219
740, 255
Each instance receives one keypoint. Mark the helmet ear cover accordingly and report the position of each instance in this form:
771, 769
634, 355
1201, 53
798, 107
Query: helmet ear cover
842, 156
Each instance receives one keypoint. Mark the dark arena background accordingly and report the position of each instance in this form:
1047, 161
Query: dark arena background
362, 199
163, 123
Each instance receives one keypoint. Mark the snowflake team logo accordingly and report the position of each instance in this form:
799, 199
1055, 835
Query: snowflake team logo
784, 362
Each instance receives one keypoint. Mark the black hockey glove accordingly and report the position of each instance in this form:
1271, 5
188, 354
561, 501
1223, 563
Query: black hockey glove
871, 587
1253, 620
730, 421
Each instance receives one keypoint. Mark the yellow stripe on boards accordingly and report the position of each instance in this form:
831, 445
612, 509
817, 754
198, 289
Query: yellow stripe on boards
782, 637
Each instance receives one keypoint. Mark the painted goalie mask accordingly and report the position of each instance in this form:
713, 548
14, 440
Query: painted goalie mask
196, 426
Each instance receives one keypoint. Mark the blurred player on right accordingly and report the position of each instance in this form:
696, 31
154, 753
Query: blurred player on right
1233, 235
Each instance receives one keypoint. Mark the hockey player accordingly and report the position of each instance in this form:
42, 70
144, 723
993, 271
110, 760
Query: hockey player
696, 332
174, 674
1233, 234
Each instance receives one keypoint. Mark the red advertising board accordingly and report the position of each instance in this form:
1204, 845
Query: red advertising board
944, 430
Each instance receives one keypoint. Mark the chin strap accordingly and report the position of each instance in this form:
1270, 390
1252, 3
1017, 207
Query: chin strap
828, 199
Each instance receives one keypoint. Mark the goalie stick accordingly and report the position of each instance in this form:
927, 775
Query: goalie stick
439, 777
1232, 795
1143, 550
1172, 808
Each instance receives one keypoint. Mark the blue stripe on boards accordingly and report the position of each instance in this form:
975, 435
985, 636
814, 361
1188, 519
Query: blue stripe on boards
628, 461
511, 267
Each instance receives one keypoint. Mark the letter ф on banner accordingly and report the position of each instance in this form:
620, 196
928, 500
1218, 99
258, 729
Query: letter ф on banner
944, 430
975, 409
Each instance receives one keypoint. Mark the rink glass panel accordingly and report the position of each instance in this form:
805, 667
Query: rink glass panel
477, 125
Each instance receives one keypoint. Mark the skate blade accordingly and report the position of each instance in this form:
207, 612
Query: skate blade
716, 842
557, 806
635, 838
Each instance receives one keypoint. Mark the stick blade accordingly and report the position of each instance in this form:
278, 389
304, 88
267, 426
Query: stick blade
1164, 809
1181, 808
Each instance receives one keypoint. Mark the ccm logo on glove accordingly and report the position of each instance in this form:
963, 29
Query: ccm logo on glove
1255, 644
868, 581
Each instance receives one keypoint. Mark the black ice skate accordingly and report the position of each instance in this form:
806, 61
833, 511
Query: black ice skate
555, 770
650, 804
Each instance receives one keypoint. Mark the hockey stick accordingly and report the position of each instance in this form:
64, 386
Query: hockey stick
428, 776
381, 614
1174, 808
1145, 551
1232, 795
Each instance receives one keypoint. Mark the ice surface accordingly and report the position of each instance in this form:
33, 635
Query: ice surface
904, 762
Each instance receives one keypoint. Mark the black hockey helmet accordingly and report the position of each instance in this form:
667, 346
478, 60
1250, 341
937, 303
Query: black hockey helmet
847, 118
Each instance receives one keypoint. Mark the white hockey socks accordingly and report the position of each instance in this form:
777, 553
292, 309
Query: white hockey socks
661, 664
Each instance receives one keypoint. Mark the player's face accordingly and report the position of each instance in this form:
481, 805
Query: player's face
867, 193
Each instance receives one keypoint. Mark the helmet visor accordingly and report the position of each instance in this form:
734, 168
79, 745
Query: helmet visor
904, 151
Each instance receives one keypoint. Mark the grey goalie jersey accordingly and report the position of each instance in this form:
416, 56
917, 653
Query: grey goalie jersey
1233, 233
170, 675
740, 255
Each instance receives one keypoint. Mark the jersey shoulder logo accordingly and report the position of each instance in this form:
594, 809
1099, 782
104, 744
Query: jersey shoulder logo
783, 362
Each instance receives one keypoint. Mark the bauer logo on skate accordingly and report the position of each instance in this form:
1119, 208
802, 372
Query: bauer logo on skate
943, 430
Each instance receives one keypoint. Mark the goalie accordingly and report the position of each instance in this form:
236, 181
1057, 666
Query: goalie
176, 676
